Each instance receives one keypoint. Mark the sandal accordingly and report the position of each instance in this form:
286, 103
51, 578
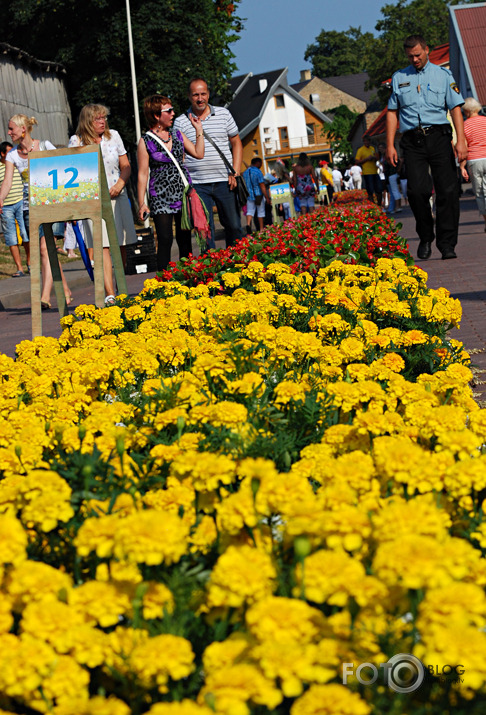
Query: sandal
69, 298
110, 300
45, 305
19, 274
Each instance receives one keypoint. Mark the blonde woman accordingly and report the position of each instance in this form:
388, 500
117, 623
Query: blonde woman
20, 131
93, 129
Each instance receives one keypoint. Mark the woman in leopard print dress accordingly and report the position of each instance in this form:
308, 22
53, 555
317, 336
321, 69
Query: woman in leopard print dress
165, 185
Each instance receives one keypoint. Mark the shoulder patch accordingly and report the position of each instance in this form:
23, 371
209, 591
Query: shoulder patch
454, 87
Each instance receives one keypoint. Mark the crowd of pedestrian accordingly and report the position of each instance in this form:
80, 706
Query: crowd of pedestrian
202, 149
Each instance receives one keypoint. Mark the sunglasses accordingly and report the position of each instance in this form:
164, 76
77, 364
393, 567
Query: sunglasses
169, 111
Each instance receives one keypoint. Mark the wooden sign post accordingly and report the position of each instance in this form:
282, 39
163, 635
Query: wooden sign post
281, 194
69, 185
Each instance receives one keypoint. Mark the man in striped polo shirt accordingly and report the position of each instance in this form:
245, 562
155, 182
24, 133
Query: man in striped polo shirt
212, 178
13, 212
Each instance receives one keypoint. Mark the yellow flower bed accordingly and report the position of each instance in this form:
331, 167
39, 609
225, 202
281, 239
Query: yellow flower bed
214, 498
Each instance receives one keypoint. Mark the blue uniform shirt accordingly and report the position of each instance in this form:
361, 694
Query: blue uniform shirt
423, 96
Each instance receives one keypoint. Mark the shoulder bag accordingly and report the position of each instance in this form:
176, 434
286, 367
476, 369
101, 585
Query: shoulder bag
242, 192
195, 215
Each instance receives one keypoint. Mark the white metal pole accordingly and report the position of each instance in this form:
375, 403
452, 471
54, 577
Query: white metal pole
134, 83
134, 78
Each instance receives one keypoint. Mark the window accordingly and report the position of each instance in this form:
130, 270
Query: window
284, 137
279, 100
266, 130
311, 133
255, 142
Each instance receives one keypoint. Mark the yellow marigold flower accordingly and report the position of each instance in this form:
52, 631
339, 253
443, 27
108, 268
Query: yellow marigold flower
417, 561
297, 663
329, 577
157, 659
206, 470
241, 575
67, 680
464, 603
46, 499
176, 494
285, 620
399, 518
231, 690
220, 654
231, 280
102, 602
237, 510
157, 600
347, 527
53, 622
35, 581
287, 391
13, 540
146, 538
463, 444
333, 699
453, 644
96, 534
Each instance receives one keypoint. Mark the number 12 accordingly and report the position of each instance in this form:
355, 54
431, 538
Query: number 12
70, 183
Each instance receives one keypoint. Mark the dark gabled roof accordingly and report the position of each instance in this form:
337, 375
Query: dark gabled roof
249, 101
353, 84
299, 86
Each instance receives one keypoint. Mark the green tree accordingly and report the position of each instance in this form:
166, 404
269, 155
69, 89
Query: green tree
338, 130
338, 53
173, 41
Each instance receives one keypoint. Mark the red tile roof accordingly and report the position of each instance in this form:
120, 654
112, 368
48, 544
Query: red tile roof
471, 21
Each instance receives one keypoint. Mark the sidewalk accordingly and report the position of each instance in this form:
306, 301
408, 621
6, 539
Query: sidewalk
464, 277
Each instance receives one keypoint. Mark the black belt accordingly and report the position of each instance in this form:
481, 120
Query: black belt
424, 131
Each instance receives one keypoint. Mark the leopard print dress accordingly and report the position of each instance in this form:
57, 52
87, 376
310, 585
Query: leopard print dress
165, 184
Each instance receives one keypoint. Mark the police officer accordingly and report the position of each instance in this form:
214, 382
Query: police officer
421, 95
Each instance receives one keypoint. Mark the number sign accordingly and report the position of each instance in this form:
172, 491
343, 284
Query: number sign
64, 179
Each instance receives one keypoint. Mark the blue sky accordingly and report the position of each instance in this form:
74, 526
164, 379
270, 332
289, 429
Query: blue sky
276, 32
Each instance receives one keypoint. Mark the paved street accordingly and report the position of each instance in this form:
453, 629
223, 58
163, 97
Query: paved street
464, 277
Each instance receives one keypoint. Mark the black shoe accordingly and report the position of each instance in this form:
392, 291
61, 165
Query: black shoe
424, 250
450, 253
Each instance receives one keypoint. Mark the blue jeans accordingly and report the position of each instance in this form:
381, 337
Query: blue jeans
219, 194
9, 215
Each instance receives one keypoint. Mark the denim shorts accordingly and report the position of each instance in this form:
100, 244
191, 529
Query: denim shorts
9, 215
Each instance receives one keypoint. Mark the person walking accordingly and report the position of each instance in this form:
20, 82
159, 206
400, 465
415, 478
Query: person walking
475, 133
305, 183
366, 158
166, 185
214, 177
258, 195
422, 94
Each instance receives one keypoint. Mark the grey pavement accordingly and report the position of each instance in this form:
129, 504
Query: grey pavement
464, 277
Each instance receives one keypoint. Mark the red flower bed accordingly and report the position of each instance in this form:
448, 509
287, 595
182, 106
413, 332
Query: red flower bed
354, 233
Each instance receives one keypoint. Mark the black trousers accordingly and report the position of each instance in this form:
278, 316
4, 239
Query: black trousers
433, 150
163, 229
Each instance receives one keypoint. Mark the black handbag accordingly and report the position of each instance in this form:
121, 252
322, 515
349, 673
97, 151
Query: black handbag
242, 192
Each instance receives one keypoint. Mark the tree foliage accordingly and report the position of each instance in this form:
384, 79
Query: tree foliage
173, 40
337, 132
339, 53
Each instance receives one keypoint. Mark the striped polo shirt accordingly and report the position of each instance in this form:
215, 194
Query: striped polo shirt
219, 125
475, 132
17, 190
